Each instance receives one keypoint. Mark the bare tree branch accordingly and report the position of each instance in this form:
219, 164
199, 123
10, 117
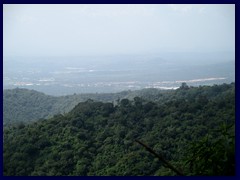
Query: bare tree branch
160, 157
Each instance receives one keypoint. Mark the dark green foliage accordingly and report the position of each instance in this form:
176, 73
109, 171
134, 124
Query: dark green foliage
97, 138
213, 156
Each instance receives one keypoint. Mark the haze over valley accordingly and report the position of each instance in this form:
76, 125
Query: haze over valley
104, 74
111, 48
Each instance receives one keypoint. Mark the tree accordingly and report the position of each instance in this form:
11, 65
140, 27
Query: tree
184, 86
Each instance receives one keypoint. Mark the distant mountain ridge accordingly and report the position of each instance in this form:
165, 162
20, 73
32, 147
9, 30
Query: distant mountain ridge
23, 105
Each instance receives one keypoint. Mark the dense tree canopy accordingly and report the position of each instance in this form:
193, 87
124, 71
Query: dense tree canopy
193, 128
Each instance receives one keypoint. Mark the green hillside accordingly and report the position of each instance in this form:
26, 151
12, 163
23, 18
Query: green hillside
23, 105
192, 128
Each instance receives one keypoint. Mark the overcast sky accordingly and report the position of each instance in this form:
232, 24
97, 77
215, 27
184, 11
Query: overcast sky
72, 30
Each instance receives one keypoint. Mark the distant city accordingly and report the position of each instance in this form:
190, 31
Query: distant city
128, 85
114, 74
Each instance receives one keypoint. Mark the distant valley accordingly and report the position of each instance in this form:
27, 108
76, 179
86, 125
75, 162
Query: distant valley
115, 73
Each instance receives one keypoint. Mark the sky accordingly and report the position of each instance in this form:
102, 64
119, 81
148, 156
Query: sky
77, 30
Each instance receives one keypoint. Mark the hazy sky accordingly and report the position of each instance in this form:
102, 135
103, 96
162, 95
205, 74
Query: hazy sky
72, 30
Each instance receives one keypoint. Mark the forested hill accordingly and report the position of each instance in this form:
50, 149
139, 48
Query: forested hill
192, 128
23, 105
